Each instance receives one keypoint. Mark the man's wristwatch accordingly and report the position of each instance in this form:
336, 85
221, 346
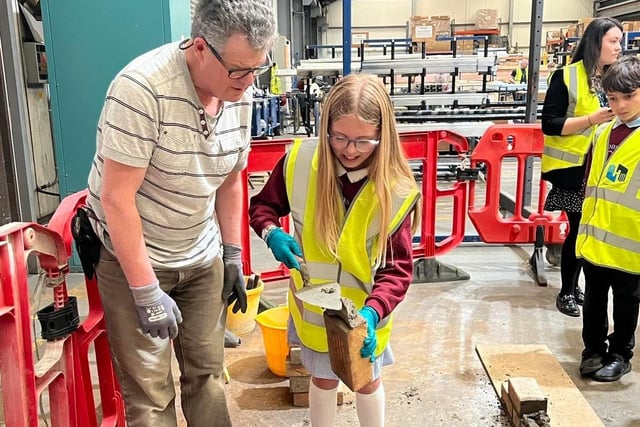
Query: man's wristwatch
267, 230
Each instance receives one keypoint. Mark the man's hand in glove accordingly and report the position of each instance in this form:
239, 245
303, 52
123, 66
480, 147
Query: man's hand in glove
284, 248
370, 342
234, 285
158, 313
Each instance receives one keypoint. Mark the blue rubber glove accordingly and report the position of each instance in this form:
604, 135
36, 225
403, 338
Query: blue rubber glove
284, 248
234, 288
158, 313
370, 342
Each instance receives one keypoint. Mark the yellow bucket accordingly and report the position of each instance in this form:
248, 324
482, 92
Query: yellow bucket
273, 323
242, 323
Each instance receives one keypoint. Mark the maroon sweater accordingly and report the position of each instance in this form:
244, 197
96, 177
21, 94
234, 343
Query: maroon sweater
618, 134
391, 281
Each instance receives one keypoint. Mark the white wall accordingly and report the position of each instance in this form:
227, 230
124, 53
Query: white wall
388, 18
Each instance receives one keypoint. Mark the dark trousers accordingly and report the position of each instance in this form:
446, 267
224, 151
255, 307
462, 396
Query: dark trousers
595, 320
569, 265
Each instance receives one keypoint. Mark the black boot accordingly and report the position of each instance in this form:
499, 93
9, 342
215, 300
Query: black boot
579, 295
566, 304
614, 368
591, 364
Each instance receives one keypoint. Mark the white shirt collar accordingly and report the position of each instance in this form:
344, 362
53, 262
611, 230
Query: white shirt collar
633, 124
354, 176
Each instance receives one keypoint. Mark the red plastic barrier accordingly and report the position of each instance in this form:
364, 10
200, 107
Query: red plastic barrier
424, 146
519, 141
418, 146
263, 157
65, 368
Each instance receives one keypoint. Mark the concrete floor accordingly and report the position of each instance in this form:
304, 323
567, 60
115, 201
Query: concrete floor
438, 378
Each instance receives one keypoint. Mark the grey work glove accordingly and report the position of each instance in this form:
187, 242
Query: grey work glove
158, 313
234, 285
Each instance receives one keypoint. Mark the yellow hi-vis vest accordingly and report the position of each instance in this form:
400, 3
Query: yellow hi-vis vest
518, 76
275, 87
549, 76
358, 237
609, 235
561, 152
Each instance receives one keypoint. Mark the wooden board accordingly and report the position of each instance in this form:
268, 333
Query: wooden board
567, 406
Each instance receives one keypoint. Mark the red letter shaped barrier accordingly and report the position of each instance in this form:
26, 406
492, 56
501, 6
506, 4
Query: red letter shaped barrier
421, 146
519, 141
262, 158
64, 371
424, 146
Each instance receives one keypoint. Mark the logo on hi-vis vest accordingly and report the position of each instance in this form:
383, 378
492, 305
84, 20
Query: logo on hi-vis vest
617, 173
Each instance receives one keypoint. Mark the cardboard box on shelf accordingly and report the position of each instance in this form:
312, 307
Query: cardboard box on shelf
431, 46
465, 46
427, 29
582, 25
358, 37
554, 35
438, 45
630, 26
442, 25
486, 19
423, 28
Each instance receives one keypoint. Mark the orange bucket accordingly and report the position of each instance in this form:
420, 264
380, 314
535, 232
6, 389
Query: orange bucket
273, 323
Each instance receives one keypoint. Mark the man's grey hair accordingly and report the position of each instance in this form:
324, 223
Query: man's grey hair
217, 20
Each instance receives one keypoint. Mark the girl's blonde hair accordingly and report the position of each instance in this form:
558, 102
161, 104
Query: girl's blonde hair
362, 95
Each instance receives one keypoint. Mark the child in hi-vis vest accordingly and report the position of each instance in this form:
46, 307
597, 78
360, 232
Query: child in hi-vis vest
609, 236
354, 204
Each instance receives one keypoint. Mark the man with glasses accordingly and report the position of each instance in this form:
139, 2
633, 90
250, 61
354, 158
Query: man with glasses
165, 195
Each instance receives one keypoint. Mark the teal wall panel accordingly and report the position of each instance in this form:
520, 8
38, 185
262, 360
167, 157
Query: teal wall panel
180, 18
87, 43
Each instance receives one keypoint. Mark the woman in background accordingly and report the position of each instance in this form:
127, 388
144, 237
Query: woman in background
574, 105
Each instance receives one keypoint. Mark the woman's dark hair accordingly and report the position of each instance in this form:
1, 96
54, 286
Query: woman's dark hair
623, 75
588, 48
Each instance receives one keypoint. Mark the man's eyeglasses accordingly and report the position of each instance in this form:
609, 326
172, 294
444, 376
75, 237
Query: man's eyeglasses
362, 145
238, 73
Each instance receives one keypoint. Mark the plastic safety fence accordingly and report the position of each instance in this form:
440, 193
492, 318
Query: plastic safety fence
418, 146
263, 157
423, 146
521, 142
65, 369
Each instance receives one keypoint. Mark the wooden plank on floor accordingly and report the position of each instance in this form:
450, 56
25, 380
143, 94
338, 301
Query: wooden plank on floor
567, 406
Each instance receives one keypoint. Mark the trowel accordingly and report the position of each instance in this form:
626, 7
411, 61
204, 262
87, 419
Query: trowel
326, 295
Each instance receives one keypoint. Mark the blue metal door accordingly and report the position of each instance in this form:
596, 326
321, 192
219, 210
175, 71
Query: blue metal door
87, 43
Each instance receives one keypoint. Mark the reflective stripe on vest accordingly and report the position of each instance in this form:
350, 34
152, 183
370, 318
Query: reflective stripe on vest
549, 77
357, 239
608, 235
565, 151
